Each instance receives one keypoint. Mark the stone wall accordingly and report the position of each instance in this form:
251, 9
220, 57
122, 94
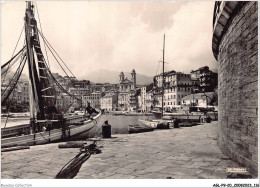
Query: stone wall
237, 55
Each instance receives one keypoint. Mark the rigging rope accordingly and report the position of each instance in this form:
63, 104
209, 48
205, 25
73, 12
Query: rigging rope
12, 64
60, 86
45, 40
12, 58
10, 92
71, 169
54, 79
18, 74
2, 131
57, 60
14, 50
41, 31
158, 65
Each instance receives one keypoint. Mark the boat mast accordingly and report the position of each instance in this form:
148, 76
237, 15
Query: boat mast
163, 73
35, 97
42, 90
193, 95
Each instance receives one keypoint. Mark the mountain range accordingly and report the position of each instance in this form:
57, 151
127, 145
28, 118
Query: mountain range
103, 76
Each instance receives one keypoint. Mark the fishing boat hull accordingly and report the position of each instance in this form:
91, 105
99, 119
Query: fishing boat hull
163, 125
147, 123
118, 113
51, 135
157, 114
180, 116
137, 129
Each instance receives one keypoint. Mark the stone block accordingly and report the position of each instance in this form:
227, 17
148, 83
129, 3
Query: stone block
238, 87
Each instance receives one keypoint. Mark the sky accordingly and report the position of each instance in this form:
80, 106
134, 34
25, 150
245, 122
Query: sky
117, 36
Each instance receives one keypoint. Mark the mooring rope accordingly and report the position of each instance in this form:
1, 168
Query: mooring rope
70, 169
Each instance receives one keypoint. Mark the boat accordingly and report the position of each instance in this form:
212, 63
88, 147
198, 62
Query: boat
148, 123
138, 129
134, 114
46, 124
119, 113
157, 112
182, 113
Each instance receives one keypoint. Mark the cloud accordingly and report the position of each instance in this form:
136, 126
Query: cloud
119, 36
156, 15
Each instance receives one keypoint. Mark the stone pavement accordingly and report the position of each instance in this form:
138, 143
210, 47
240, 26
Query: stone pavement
184, 153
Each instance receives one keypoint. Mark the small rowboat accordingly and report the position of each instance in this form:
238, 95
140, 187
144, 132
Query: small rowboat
147, 123
138, 129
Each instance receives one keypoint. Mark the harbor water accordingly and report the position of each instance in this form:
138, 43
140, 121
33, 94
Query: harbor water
119, 124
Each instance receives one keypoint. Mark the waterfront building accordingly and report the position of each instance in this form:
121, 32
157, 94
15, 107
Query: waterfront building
95, 87
79, 91
109, 102
177, 85
127, 98
149, 101
200, 99
133, 100
65, 83
195, 79
59, 102
93, 99
107, 87
204, 79
81, 83
69, 102
15, 95
24, 94
146, 98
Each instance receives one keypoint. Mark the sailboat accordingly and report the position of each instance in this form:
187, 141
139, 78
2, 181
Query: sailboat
158, 122
47, 123
181, 114
162, 118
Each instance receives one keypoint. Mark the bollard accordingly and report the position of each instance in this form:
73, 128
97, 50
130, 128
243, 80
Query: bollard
176, 123
106, 130
208, 120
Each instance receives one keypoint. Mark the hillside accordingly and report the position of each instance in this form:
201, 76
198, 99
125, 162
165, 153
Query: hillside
112, 77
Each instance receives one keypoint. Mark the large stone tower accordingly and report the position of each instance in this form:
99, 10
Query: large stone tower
133, 79
235, 47
121, 76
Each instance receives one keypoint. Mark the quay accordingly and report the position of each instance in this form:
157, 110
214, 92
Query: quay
178, 153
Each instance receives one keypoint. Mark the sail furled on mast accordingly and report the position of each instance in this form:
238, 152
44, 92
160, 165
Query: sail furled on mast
43, 92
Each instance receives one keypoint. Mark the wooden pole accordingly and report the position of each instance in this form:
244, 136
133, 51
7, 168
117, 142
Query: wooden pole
163, 73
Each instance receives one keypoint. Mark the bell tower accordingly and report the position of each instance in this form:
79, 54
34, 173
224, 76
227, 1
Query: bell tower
121, 77
133, 74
